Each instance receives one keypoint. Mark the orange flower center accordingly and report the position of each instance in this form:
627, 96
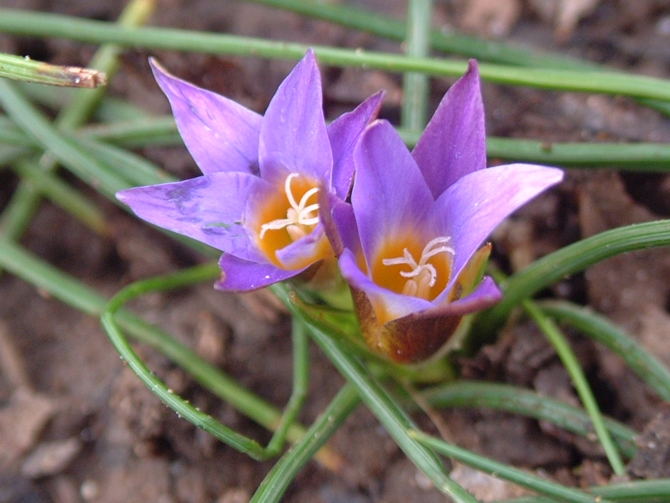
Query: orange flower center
289, 216
399, 269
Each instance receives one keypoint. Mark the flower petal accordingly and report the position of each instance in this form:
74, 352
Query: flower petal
220, 134
197, 208
485, 295
390, 194
454, 142
471, 208
244, 276
344, 133
293, 134
305, 251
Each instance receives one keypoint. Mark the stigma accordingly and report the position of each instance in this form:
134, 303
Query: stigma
301, 216
422, 275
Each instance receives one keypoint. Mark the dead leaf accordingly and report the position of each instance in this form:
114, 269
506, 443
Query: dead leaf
490, 18
21, 422
563, 14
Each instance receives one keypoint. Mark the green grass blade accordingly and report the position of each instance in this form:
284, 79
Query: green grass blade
600, 329
26, 200
646, 157
522, 478
89, 31
68, 290
415, 85
155, 131
569, 260
300, 385
450, 42
179, 405
527, 403
285, 470
147, 131
63, 195
36, 125
638, 491
643, 157
20, 68
571, 363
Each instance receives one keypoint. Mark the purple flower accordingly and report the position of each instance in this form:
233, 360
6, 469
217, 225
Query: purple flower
258, 198
410, 242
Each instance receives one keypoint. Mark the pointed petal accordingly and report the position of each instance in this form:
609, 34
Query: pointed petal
293, 135
454, 142
485, 295
244, 276
469, 210
220, 134
208, 208
305, 251
344, 133
390, 194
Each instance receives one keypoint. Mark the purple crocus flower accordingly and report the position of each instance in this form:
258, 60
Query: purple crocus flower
410, 242
258, 198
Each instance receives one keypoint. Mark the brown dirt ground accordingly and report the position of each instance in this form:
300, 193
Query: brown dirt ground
77, 426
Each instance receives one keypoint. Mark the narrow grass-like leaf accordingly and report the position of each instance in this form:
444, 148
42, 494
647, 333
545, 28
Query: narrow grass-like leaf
176, 403
285, 470
147, 131
63, 195
638, 491
527, 403
524, 479
25, 200
20, 68
65, 150
566, 261
446, 41
646, 157
133, 169
640, 157
415, 85
68, 290
600, 329
181, 406
571, 363
300, 385
90, 31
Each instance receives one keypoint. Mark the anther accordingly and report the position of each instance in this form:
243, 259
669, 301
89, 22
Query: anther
299, 214
422, 275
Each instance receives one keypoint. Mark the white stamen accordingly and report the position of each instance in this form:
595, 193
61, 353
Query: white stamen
299, 214
434, 246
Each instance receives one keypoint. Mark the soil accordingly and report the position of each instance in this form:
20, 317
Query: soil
77, 426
